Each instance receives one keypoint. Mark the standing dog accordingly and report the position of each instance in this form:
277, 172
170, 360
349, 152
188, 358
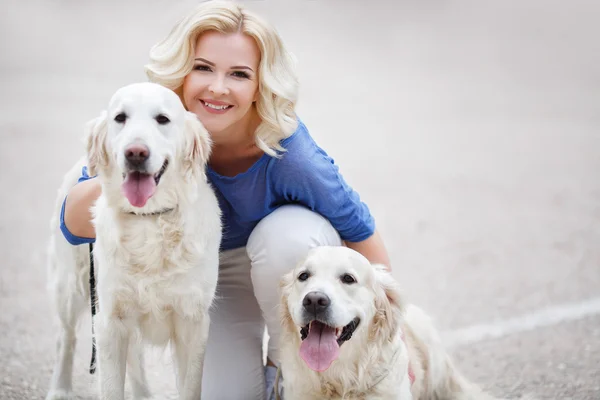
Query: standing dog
158, 233
347, 334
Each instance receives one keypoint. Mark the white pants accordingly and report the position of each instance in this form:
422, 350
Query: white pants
247, 299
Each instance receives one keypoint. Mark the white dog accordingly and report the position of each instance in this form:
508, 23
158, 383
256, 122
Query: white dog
347, 334
158, 233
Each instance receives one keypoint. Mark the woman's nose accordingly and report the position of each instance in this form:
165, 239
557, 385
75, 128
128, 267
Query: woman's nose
218, 86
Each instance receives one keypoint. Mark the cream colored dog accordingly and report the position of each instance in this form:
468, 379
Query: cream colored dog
347, 334
158, 233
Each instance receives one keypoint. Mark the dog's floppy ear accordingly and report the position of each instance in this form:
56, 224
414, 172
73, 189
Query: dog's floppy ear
197, 146
285, 286
95, 137
389, 305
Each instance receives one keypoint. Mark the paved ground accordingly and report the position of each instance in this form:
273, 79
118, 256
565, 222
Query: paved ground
470, 128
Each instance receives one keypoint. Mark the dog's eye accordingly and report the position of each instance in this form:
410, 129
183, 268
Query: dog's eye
162, 119
121, 117
348, 279
303, 276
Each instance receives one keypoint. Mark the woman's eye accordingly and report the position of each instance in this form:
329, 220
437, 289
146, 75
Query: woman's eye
202, 68
162, 119
241, 74
348, 279
121, 117
303, 276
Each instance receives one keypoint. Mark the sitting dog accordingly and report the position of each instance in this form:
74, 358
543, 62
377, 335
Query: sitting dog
158, 233
348, 334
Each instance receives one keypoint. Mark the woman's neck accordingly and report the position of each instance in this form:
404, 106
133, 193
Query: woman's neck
236, 151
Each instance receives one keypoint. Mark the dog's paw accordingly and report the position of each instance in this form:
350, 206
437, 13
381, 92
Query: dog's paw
59, 395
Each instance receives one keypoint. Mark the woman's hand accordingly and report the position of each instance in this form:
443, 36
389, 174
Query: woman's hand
78, 217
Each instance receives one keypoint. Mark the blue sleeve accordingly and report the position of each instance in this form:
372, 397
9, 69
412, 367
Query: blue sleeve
307, 175
72, 239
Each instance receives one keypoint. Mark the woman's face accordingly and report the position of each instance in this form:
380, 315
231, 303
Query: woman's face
223, 84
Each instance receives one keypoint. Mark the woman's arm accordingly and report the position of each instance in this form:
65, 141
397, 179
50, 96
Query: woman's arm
78, 217
319, 185
373, 249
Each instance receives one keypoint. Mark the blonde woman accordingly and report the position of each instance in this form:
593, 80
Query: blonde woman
279, 192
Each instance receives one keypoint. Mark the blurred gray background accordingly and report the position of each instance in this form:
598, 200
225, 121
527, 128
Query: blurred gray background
469, 127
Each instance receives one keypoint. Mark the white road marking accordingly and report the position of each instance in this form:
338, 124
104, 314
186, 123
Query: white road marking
528, 322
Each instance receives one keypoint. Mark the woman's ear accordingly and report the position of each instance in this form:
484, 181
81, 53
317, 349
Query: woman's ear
389, 305
197, 146
95, 137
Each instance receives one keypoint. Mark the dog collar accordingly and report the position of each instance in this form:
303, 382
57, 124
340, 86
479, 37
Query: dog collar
163, 211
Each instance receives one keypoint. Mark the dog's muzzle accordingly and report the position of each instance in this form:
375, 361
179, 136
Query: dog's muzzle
136, 156
317, 311
316, 303
141, 170
138, 184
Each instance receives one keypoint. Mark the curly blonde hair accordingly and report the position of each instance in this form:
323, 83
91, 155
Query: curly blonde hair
172, 59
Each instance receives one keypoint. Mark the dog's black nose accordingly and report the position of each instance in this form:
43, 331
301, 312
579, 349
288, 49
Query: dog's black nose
137, 154
316, 302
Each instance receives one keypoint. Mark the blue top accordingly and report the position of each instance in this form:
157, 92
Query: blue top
304, 174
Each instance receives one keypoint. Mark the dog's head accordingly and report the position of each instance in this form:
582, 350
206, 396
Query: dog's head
335, 296
144, 144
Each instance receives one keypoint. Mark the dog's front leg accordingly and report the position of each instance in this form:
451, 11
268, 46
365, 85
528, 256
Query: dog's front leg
189, 345
135, 369
113, 339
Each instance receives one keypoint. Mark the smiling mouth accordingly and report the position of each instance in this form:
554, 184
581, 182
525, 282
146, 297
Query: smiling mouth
162, 170
138, 185
216, 107
144, 175
321, 343
342, 334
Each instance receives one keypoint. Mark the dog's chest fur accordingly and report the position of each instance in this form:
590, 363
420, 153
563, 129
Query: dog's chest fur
153, 245
345, 386
381, 375
152, 266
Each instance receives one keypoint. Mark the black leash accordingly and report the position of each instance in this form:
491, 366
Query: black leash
93, 302
93, 296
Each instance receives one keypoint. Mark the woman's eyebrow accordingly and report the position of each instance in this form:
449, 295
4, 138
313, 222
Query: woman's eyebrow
212, 64
242, 67
205, 61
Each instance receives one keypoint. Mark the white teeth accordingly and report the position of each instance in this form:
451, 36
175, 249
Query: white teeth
215, 107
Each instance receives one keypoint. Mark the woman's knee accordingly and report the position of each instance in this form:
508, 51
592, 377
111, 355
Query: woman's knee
275, 246
283, 237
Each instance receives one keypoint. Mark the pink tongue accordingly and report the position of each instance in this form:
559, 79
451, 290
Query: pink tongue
138, 188
320, 348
